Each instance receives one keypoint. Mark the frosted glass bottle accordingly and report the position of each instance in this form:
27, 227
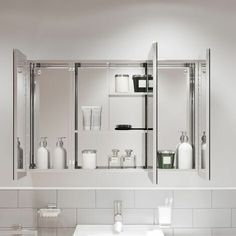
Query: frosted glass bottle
203, 151
59, 155
185, 153
43, 161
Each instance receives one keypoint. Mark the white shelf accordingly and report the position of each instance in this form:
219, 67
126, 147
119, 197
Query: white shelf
50, 171
110, 131
177, 170
138, 94
87, 170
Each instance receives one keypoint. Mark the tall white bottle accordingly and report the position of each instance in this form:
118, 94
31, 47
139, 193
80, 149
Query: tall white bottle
203, 151
185, 153
43, 160
59, 155
20, 155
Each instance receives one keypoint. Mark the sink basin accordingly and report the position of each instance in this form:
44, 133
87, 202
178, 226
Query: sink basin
107, 230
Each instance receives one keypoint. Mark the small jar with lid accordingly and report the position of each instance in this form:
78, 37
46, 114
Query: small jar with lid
122, 83
166, 159
89, 159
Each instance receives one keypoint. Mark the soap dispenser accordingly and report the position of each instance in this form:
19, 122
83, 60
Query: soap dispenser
59, 155
203, 151
184, 153
19, 154
43, 161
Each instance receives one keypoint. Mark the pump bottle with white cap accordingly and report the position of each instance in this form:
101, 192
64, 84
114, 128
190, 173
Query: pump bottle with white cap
59, 155
43, 160
184, 153
203, 151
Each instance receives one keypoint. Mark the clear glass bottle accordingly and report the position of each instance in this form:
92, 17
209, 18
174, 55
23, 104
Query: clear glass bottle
114, 159
128, 160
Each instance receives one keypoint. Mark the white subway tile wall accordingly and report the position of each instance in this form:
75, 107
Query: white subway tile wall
195, 212
36, 198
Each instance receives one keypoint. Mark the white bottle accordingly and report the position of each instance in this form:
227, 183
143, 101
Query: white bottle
19, 155
203, 151
59, 155
43, 161
185, 153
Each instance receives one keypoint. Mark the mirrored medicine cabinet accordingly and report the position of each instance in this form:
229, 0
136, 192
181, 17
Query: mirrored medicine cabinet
134, 110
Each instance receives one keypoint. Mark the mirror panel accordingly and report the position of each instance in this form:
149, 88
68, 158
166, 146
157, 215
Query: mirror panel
54, 108
173, 102
176, 112
21, 114
204, 118
152, 115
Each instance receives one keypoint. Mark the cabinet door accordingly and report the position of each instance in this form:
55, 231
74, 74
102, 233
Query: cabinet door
204, 105
151, 105
21, 114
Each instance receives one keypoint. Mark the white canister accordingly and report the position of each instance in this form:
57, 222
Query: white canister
121, 83
89, 159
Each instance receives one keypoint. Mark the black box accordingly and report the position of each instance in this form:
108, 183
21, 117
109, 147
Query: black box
140, 83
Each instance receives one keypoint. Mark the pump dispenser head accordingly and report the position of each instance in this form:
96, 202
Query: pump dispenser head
60, 141
43, 142
183, 137
18, 141
204, 137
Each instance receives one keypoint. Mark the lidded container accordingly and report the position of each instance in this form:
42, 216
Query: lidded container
121, 83
140, 83
89, 159
166, 159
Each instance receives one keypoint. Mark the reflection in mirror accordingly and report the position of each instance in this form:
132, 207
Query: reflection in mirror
173, 106
175, 116
202, 116
21, 111
53, 115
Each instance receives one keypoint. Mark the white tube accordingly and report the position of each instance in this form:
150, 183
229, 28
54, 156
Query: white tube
86, 111
96, 118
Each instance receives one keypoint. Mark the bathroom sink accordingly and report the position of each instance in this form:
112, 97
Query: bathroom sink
107, 230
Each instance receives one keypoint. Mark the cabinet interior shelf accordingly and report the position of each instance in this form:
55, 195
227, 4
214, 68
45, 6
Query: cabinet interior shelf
106, 169
177, 170
138, 94
138, 130
80, 170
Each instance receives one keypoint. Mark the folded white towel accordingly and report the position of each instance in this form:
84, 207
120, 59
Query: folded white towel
155, 232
